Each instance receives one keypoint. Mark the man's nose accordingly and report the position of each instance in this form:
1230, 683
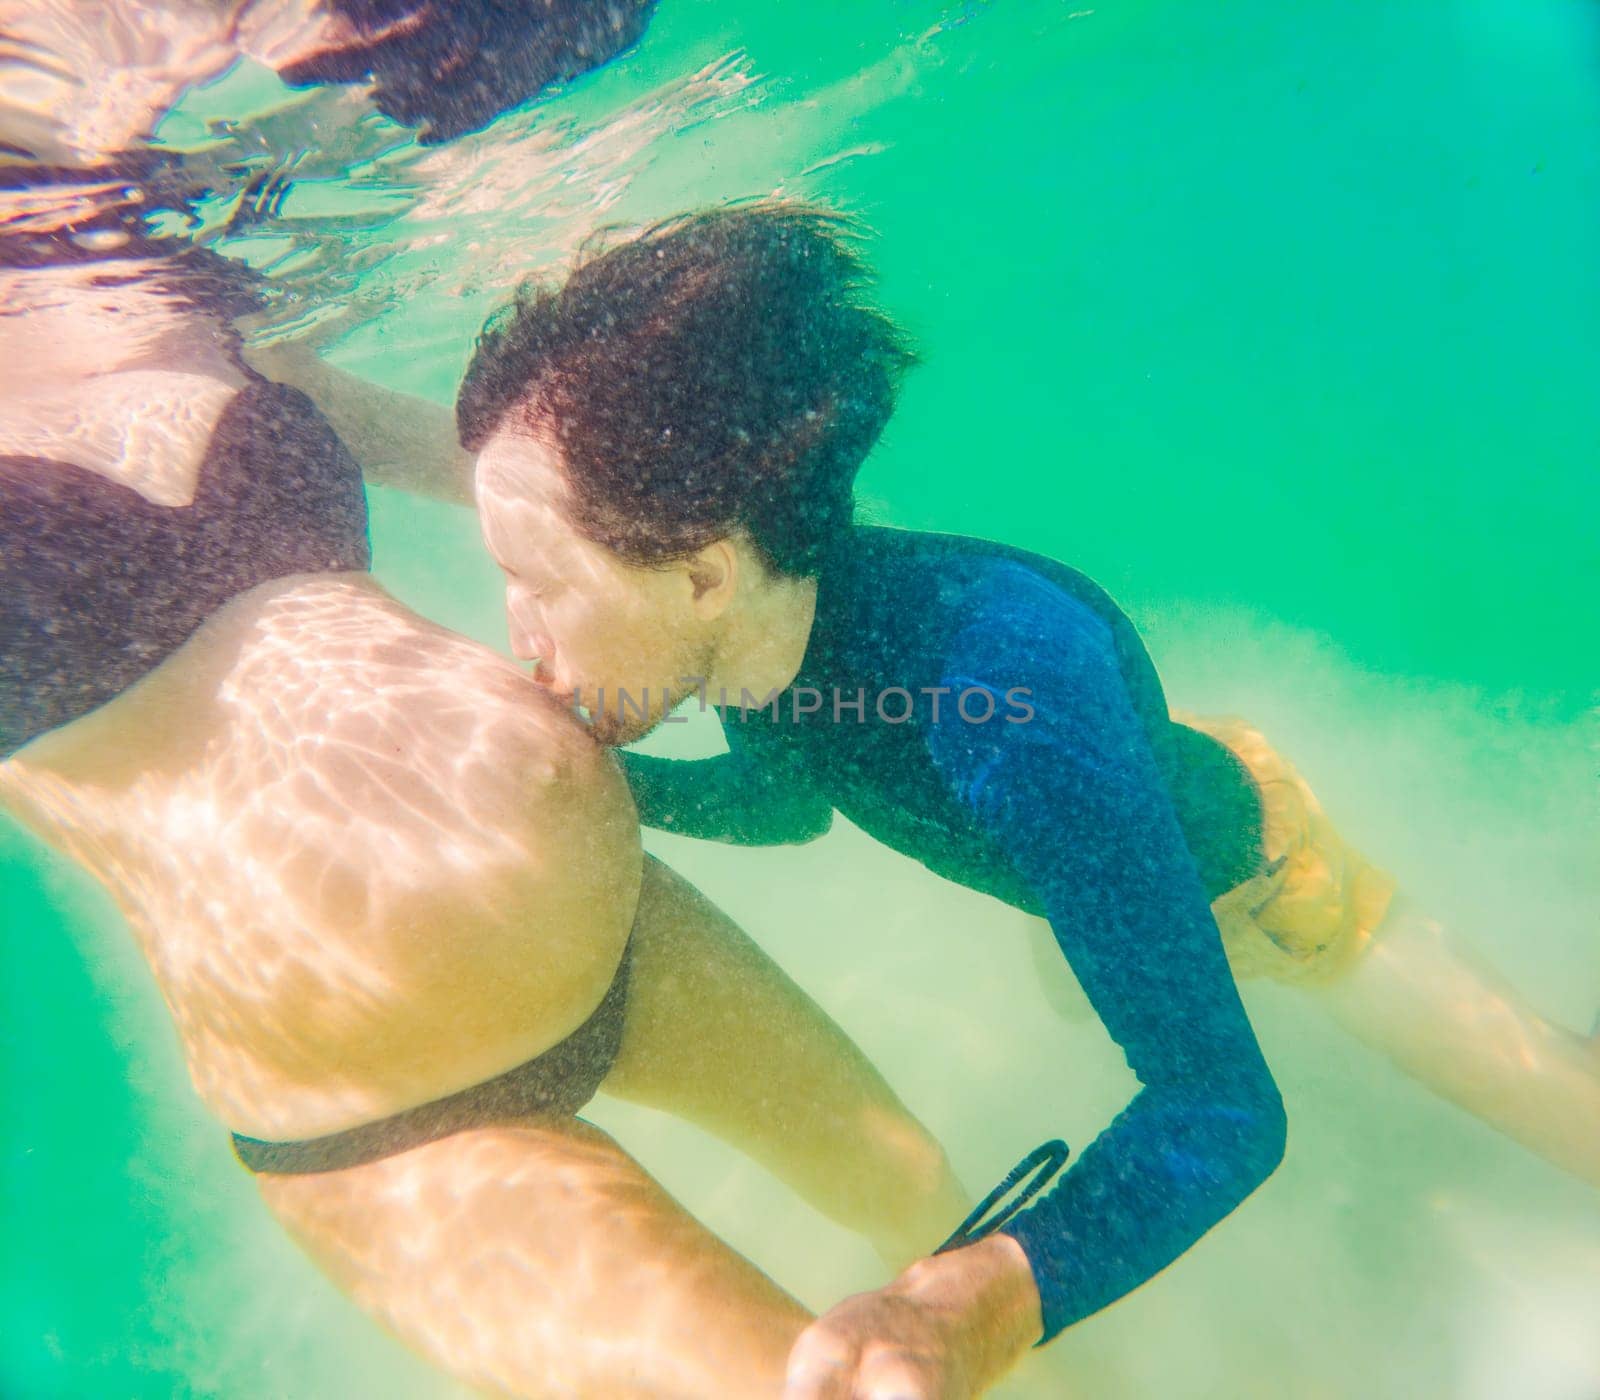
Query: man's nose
526, 638
522, 642
527, 645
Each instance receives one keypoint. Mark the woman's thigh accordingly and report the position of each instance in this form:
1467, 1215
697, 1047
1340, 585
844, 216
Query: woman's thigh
717, 1033
543, 1260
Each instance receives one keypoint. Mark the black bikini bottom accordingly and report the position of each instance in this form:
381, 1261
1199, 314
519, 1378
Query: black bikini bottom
556, 1083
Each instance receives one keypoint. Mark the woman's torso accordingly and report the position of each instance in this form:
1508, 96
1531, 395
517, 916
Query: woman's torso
368, 861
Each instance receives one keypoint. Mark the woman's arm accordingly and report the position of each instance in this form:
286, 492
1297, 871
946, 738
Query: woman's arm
399, 440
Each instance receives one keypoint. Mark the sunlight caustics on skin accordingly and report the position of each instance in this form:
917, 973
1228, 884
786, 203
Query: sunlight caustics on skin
541, 1261
318, 762
110, 371
370, 864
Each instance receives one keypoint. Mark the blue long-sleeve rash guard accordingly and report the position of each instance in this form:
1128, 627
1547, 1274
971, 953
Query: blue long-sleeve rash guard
1078, 800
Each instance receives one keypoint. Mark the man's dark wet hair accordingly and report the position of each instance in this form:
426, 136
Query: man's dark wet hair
722, 372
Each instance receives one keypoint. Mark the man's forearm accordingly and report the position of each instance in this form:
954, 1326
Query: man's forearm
724, 799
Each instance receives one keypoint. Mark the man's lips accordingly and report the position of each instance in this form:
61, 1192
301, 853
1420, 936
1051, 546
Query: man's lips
560, 692
546, 682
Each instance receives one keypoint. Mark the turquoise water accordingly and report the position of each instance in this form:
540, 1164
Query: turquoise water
1280, 322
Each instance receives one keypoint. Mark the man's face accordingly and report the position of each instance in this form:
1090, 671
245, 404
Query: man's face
597, 626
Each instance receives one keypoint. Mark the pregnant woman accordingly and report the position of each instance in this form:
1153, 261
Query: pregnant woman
666, 449
392, 893
391, 890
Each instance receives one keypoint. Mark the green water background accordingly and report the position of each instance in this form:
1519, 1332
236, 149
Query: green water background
1281, 322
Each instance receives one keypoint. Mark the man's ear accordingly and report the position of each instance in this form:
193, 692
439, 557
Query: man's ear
713, 578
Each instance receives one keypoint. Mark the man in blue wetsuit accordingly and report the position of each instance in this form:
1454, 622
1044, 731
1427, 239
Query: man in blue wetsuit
1060, 801
666, 449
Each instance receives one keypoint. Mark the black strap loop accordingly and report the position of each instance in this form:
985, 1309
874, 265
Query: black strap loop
1044, 1161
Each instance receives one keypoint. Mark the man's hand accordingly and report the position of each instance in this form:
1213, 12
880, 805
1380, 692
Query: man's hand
946, 1329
